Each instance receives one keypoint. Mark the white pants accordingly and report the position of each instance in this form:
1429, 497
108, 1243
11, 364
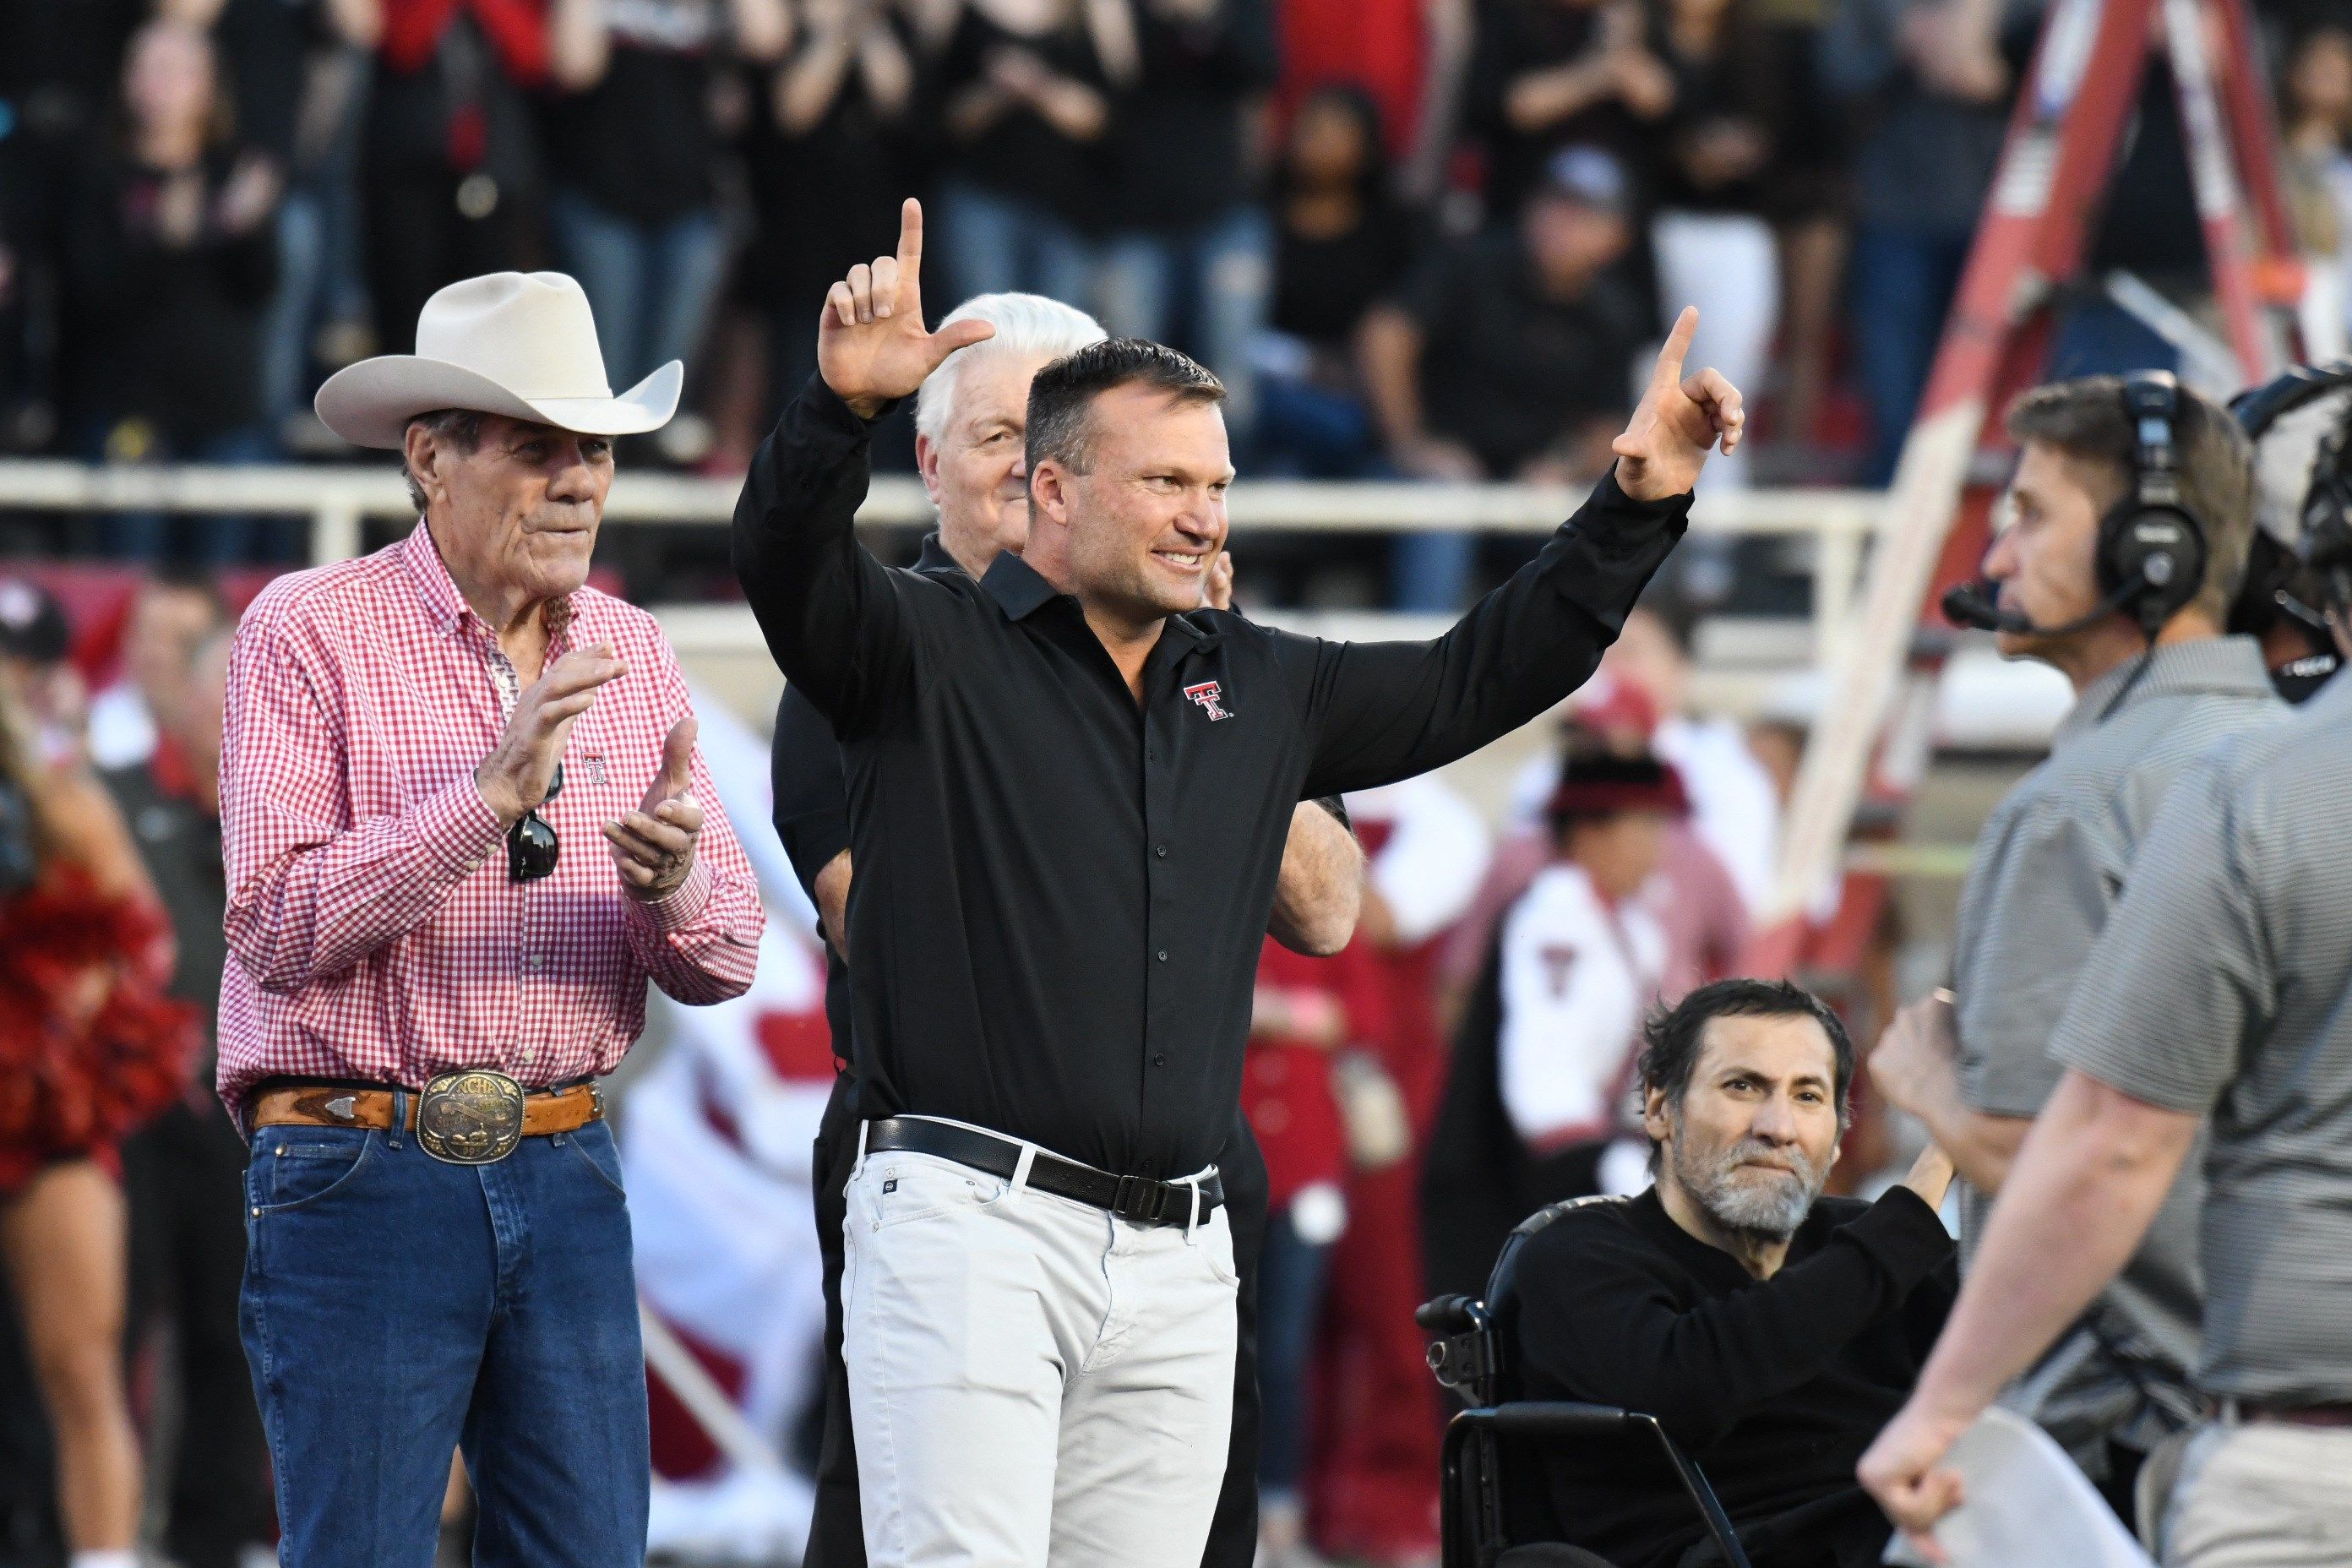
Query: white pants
2262, 1495
1033, 1383
1729, 266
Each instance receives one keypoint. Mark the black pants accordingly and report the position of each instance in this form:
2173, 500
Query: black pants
184, 1175
836, 1535
418, 242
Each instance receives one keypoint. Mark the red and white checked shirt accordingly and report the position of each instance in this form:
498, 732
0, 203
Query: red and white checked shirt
376, 933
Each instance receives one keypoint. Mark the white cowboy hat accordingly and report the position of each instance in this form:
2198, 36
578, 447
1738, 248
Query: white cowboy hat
519, 343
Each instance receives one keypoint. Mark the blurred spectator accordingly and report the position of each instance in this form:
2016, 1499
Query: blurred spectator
1693, 898
634, 158
185, 1170
1028, 110
830, 155
1341, 244
1509, 356
1538, 1103
1390, 50
88, 1049
1734, 805
172, 613
1928, 87
450, 164
1552, 74
1713, 242
1187, 262
170, 260
2316, 118
1298, 1019
1811, 194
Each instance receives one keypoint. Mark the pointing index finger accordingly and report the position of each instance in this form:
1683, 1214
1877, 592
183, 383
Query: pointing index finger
910, 237
1678, 342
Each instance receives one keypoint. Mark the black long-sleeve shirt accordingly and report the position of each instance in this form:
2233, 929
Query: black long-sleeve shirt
1774, 1387
1060, 893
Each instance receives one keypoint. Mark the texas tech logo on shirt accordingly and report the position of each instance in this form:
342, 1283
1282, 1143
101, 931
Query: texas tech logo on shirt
1210, 699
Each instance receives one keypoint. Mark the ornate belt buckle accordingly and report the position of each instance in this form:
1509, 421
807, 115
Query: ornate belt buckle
470, 1117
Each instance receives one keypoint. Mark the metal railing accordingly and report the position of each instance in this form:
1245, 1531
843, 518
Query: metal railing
338, 500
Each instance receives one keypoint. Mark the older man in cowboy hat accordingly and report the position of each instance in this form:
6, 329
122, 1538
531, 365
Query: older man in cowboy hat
433, 964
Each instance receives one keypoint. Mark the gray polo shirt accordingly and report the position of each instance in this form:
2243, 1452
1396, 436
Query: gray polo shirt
2223, 985
2048, 868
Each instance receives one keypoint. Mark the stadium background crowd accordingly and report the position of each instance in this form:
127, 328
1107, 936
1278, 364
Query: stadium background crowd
1424, 238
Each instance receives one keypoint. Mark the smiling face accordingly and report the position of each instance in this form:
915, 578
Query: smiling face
1135, 531
2044, 564
975, 471
1751, 1139
517, 515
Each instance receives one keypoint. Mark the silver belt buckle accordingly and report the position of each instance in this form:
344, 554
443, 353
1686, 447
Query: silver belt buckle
470, 1117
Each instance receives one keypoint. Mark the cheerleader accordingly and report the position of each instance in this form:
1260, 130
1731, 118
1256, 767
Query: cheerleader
89, 1048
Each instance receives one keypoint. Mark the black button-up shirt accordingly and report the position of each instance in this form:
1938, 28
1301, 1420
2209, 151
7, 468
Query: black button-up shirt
1027, 960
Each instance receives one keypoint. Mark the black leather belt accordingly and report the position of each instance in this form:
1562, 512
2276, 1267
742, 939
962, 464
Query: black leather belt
1135, 1198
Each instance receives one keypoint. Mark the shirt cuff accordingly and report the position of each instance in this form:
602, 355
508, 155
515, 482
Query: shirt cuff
458, 828
1906, 1237
827, 408
677, 909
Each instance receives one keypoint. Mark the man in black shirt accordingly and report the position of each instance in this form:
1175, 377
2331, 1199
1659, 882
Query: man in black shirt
969, 418
1771, 1331
1069, 790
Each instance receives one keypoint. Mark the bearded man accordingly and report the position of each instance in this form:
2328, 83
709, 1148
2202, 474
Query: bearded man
1770, 1330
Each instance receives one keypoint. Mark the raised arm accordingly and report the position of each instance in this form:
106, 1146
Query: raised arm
831, 613
1382, 711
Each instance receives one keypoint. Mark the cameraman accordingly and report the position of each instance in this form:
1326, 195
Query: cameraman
2223, 986
2156, 682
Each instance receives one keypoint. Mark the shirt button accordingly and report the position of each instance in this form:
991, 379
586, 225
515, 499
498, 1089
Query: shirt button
1161, 1061
1161, 850
1163, 955
536, 960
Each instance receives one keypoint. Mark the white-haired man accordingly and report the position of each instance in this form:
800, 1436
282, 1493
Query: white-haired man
970, 418
439, 1249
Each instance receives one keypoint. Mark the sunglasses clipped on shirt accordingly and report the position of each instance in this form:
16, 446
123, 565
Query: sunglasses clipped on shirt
532, 847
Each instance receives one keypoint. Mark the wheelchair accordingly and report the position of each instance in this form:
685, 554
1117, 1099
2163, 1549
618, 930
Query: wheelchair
1471, 1355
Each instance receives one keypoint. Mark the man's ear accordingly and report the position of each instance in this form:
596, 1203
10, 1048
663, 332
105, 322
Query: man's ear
1656, 1120
926, 463
423, 450
1049, 493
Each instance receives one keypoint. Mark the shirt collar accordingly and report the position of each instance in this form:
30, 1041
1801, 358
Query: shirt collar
1018, 589
934, 556
2226, 666
438, 590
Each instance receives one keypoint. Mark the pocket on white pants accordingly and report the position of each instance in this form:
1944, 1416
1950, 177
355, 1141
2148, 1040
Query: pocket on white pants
899, 1188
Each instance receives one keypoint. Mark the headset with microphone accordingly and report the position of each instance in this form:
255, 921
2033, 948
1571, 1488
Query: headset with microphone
2151, 547
2290, 583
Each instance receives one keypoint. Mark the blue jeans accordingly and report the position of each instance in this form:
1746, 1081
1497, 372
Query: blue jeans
1214, 280
1291, 1274
997, 245
1902, 285
650, 287
396, 1308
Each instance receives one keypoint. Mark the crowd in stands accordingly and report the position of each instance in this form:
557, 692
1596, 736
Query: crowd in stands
1423, 238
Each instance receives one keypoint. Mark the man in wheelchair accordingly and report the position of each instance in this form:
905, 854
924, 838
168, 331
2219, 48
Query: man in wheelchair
1771, 1331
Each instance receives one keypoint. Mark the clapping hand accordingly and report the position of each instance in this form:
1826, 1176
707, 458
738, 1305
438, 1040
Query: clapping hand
1678, 423
653, 845
871, 345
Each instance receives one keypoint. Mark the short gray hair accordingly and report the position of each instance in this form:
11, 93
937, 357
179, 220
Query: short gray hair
462, 427
1024, 324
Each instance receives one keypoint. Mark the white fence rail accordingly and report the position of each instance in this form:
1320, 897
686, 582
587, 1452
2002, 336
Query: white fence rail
338, 500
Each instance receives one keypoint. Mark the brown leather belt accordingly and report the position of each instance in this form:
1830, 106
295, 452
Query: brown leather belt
458, 1128
2298, 1415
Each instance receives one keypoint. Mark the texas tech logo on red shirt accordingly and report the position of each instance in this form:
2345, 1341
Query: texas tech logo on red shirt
1210, 699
